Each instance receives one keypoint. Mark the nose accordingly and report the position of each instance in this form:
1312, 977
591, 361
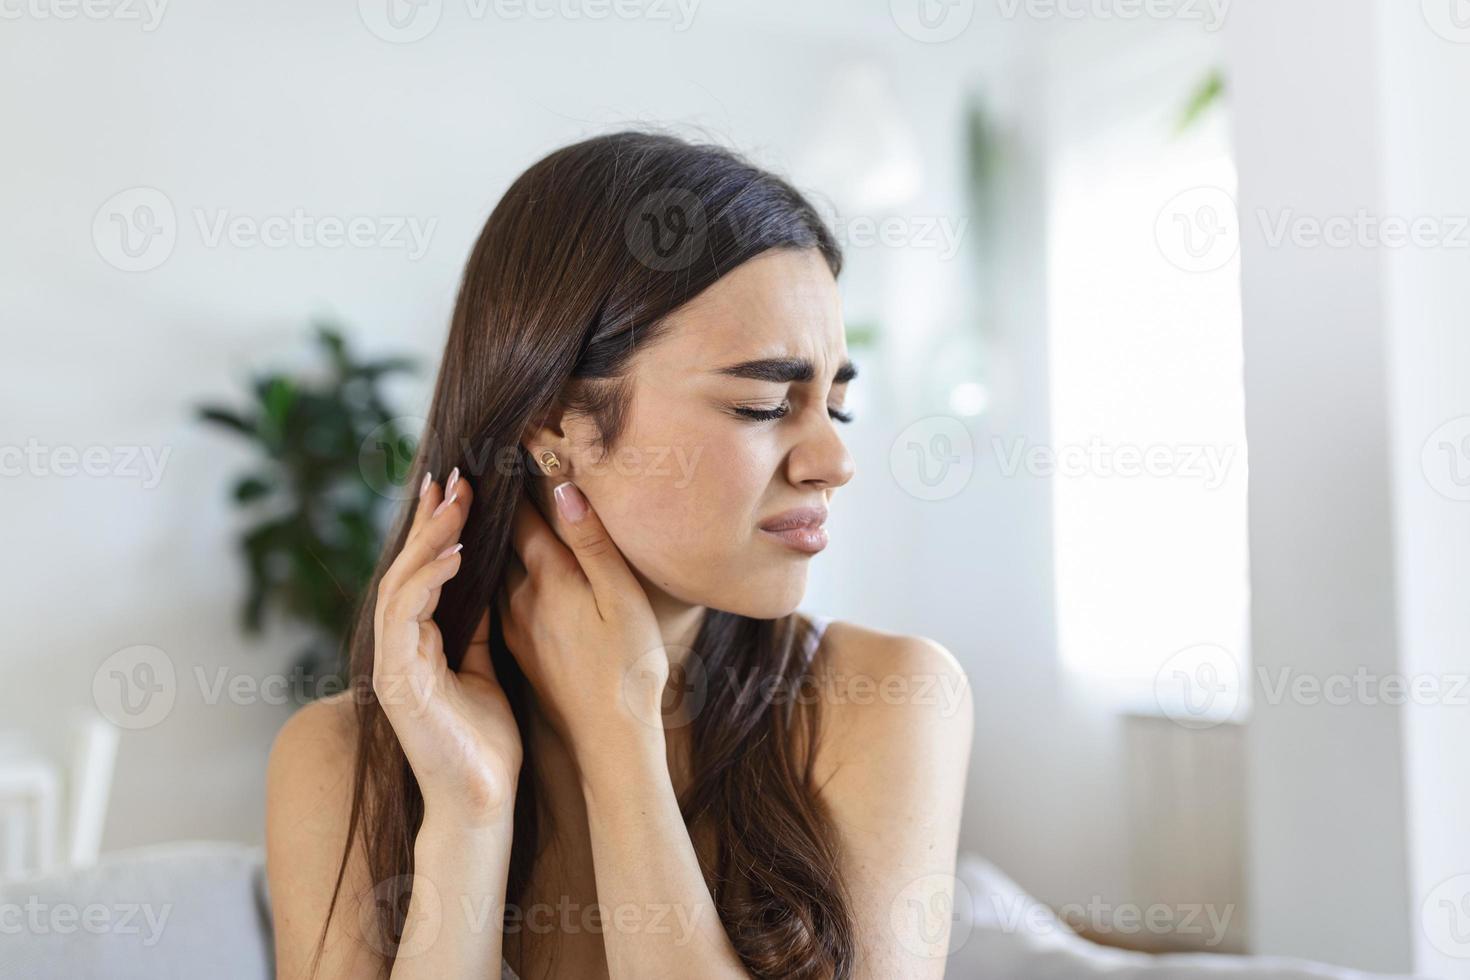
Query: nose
820, 459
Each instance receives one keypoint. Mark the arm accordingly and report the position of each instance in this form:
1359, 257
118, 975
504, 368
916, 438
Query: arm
659, 919
453, 922
458, 735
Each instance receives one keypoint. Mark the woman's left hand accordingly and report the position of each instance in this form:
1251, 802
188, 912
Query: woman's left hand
581, 627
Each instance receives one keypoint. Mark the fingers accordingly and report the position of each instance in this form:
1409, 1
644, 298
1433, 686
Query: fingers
409, 606
536, 544
477, 654
598, 555
438, 521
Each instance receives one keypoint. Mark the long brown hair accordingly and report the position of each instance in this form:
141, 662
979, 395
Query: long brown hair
576, 270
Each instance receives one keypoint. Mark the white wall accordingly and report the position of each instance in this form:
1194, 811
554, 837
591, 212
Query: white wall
265, 109
1427, 76
1358, 404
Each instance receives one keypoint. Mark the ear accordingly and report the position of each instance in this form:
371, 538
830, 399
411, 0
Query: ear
548, 431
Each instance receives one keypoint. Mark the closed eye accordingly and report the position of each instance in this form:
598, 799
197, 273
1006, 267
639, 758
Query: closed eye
780, 411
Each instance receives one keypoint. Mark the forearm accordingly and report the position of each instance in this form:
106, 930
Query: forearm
659, 919
454, 922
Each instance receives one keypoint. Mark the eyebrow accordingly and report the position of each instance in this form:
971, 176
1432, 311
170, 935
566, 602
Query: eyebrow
784, 369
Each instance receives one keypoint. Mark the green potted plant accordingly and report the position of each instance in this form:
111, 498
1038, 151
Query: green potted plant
332, 458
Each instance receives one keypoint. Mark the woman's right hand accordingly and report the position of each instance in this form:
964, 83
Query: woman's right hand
456, 728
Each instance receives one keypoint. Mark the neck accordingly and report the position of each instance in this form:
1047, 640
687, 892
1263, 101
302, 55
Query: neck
678, 621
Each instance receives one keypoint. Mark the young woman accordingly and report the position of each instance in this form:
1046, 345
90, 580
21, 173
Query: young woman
587, 733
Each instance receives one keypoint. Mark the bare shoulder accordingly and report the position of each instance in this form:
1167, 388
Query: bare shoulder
893, 754
308, 806
312, 754
876, 686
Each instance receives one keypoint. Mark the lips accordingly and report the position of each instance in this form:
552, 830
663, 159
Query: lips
799, 528
797, 517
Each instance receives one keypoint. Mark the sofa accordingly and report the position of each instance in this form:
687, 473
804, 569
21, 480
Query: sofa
200, 909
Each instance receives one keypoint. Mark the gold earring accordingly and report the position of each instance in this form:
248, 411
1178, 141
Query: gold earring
549, 461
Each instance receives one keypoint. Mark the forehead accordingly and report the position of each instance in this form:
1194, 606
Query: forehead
784, 301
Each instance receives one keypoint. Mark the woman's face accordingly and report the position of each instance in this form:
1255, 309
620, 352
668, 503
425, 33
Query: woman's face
684, 493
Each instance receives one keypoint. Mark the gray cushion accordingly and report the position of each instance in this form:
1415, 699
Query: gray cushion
193, 909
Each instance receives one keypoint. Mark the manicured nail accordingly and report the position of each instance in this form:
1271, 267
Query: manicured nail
447, 501
450, 550
424, 487
570, 502
453, 479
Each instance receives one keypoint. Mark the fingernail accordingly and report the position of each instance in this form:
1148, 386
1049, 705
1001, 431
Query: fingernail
424, 487
570, 502
453, 479
447, 501
450, 550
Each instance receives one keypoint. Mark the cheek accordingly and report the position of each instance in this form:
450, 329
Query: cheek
685, 502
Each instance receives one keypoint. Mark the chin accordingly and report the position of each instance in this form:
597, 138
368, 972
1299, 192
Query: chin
763, 598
